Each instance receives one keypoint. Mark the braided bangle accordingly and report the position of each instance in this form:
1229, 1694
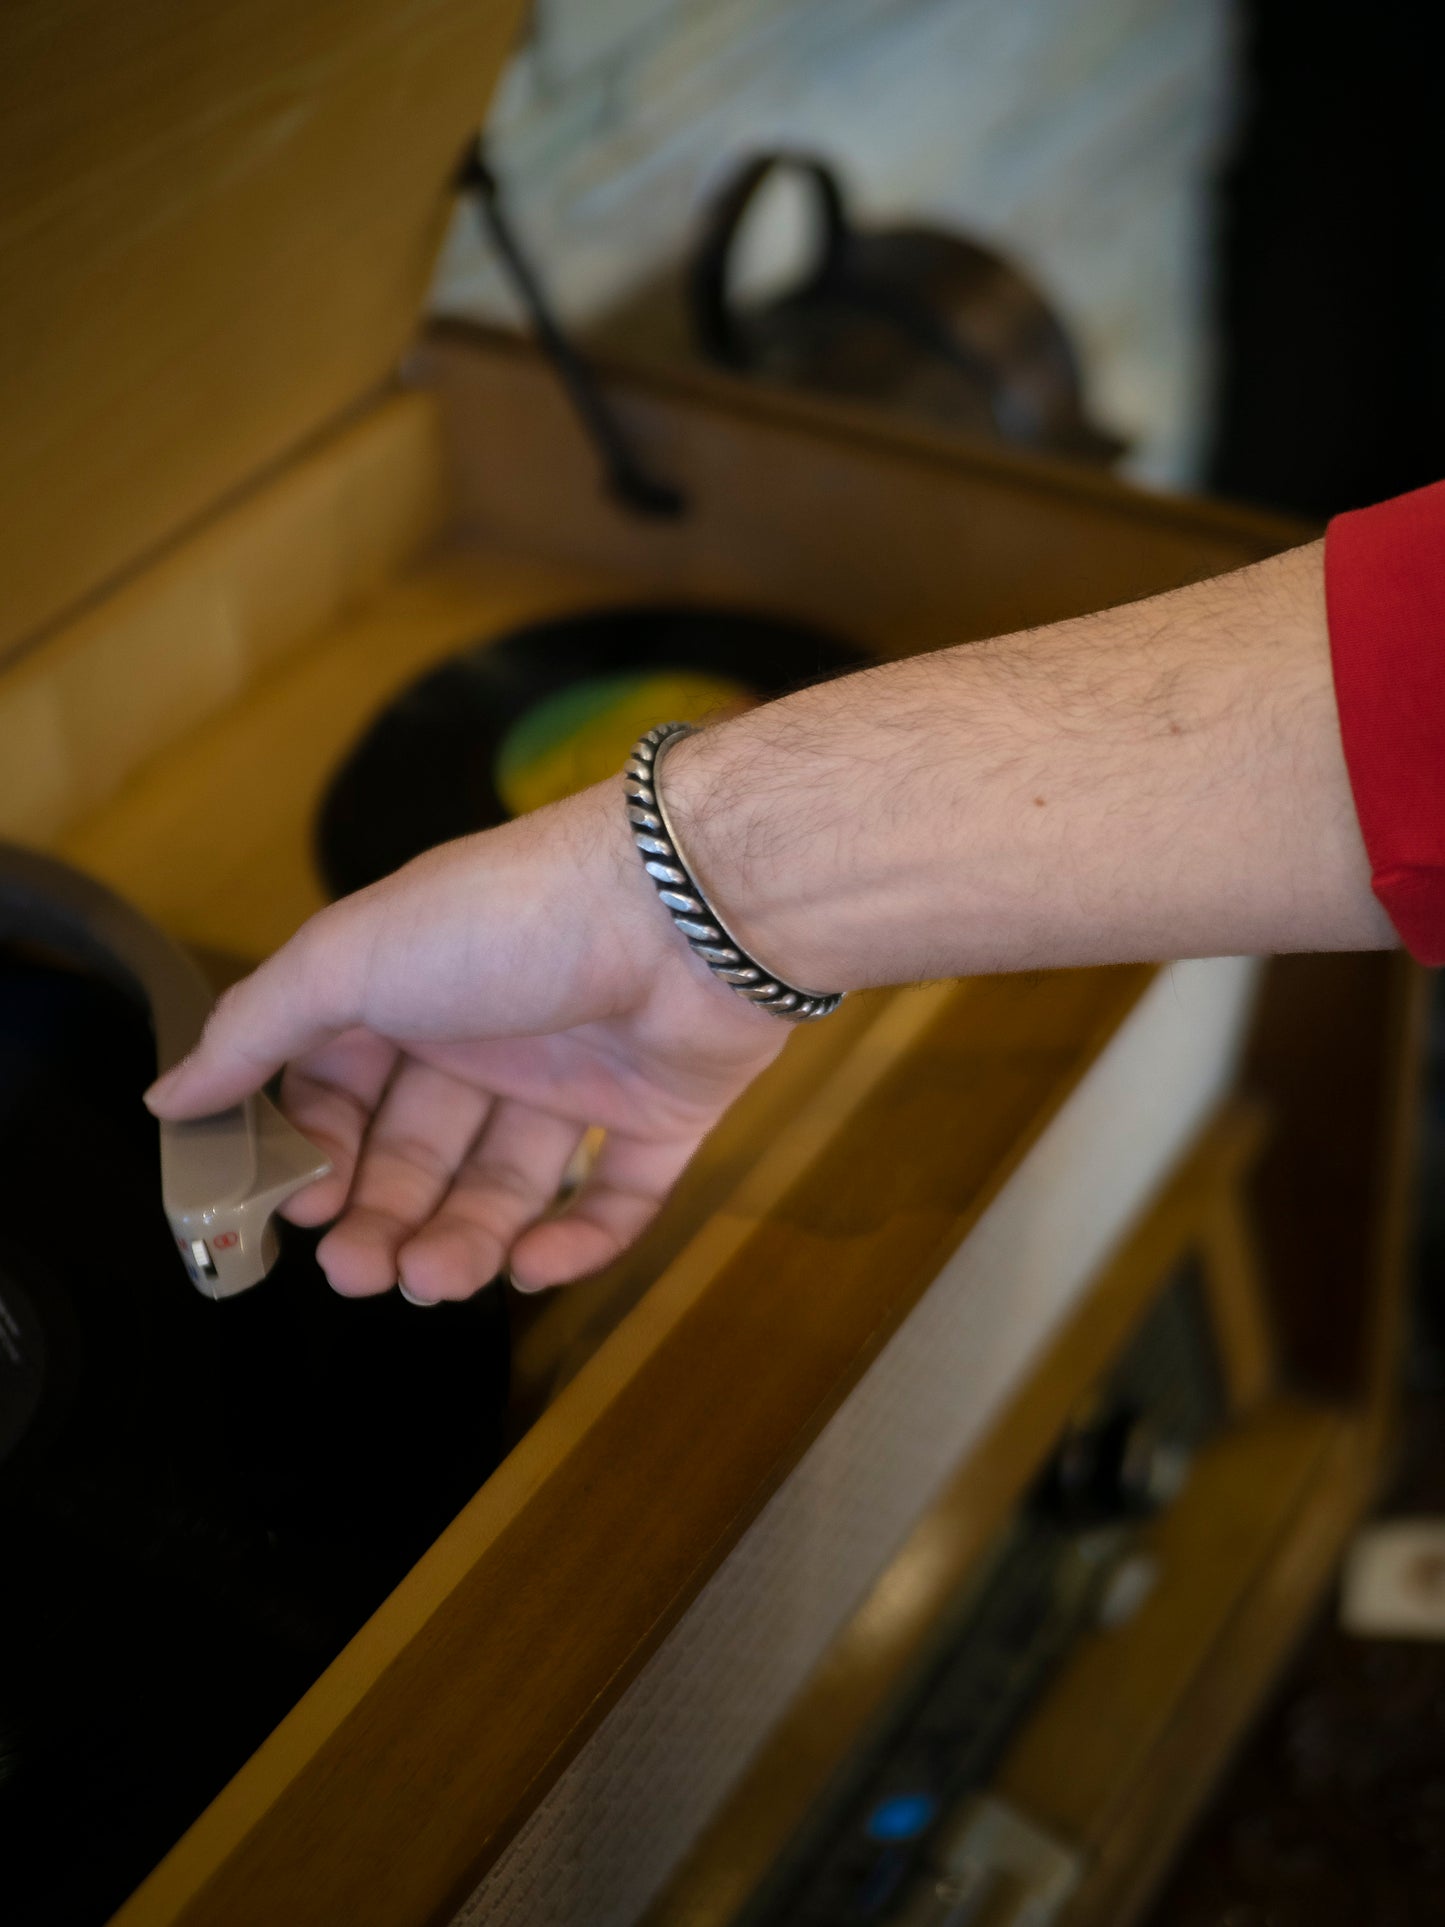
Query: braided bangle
685, 903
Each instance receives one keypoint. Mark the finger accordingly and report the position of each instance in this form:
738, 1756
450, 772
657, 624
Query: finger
510, 1178
330, 1095
616, 1203
299, 999
419, 1136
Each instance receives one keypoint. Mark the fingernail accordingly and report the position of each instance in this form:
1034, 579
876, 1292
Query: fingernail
414, 1301
165, 1082
156, 1094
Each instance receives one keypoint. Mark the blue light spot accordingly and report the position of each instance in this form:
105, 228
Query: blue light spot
901, 1817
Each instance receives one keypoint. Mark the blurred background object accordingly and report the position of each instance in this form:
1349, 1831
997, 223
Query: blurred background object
1331, 290
1233, 205
905, 316
1080, 140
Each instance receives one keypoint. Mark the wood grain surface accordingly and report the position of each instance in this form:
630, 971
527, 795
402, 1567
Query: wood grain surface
897, 1625
906, 538
214, 837
1337, 1056
217, 227
458, 1704
414, 1759
163, 658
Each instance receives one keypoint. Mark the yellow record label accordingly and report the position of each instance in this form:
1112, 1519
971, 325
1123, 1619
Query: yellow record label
582, 734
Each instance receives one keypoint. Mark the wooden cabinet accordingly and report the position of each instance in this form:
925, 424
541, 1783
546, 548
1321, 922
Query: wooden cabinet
234, 530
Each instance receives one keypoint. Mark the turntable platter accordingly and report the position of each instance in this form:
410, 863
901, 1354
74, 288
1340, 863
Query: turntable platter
200, 1502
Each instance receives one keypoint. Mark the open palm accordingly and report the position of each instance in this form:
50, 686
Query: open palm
449, 1035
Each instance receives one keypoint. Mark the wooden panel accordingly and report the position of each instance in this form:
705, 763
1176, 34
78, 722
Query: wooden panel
164, 656
217, 224
1239, 1309
424, 1733
897, 1625
453, 1710
555, 1333
1336, 1055
214, 836
902, 538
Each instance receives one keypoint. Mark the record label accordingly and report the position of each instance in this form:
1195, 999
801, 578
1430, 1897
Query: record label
524, 719
583, 734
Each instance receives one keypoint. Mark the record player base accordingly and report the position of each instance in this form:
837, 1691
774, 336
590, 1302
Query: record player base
175, 739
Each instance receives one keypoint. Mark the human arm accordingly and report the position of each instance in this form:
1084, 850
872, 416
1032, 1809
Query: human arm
1164, 779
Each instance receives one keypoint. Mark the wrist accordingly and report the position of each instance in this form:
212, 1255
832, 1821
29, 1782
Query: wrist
746, 808
631, 928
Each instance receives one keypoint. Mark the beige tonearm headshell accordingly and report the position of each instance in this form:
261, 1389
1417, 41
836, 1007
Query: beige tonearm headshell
222, 1177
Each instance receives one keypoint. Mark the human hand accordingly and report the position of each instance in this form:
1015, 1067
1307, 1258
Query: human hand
450, 1033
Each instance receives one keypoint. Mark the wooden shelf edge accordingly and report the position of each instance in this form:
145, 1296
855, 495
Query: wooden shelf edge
878, 1647
702, 389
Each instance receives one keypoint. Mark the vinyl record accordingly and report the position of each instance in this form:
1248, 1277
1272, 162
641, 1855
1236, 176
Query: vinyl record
535, 715
200, 1502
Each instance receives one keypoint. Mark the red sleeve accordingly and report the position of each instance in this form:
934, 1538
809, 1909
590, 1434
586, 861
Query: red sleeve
1385, 596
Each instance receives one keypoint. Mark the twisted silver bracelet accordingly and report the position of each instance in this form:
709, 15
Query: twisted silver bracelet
685, 903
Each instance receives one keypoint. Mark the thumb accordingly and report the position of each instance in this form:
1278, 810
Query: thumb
291, 1004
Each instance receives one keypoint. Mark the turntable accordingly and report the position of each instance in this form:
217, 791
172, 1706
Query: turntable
746, 1467
201, 1500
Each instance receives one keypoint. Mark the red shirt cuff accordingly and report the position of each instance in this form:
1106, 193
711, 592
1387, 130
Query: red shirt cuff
1385, 597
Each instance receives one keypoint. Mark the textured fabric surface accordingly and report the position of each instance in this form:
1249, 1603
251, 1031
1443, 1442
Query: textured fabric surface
1385, 591
604, 1841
